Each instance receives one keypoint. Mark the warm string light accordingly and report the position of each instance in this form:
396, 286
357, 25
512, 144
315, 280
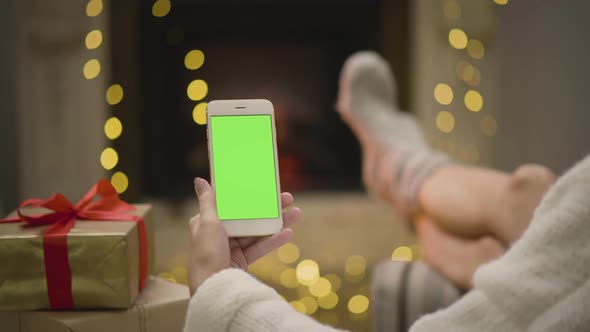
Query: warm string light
358, 304
402, 254
94, 8
458, 39
93, 39
197, 89
161, 8
311, 293
113, 128
445, 121
354, 268
91, 69
473, 100
443, 94
451, 9
468, 73
288, 253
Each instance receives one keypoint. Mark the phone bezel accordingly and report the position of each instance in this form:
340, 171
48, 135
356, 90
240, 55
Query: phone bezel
247, 227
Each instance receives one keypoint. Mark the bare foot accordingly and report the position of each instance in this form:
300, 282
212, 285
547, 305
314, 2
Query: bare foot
474, 201
520, 197
455, 257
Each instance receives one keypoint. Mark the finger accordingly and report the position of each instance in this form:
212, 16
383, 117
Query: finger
193, 223
286, 200
207, 207
265, 245
292, 216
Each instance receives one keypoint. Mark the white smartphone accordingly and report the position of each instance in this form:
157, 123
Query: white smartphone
244, 166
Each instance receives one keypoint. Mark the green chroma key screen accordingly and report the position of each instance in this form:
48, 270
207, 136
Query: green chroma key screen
244, 167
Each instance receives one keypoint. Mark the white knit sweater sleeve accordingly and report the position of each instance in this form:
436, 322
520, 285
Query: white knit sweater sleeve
543, 282
233, 300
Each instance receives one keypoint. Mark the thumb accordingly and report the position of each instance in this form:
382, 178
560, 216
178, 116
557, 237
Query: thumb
207, 206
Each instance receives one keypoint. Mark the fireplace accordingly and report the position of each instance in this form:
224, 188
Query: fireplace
288, 52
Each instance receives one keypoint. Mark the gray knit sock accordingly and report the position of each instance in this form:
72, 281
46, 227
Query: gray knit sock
403, 292
396, 157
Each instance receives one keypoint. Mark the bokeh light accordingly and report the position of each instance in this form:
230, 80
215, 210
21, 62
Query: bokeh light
113, 128
443, 93
120, 181
181, 274
307, 272
458, 39
93, 39
288, 253
358, 304
355, 265
335, 281
300, 307
402, 254
311, 305
114, 94
501, 2
473, 101
475, 49
194, 59
94, 8
200, 113
197, 90
445, 121
168, 276
489, 125
320, 287
109, 158
91, 69
468, 73
161, 8
288, 278
451, 9
329, 301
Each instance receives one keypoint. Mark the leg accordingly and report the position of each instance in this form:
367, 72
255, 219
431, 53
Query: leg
456, 257
473, 201
399, 166
543, 282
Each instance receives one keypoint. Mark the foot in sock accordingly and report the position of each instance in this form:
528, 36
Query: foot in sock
396, 157
399, 166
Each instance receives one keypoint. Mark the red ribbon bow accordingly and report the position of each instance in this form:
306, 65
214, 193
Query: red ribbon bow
106, 206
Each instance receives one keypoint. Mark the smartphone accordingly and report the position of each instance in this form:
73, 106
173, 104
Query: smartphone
244, 166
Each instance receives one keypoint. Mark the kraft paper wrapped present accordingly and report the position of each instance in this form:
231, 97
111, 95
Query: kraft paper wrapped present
161, 307
90, 255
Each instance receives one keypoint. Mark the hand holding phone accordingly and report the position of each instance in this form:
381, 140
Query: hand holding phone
211, 251
244, 166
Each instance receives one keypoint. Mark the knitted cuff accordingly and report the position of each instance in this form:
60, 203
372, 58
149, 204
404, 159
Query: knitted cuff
220, 297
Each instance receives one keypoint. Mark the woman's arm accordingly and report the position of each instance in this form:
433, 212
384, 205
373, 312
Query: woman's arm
232, 300
225, 297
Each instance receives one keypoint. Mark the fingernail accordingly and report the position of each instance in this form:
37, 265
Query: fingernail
200, 185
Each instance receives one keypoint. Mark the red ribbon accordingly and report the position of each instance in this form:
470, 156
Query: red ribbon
100, 203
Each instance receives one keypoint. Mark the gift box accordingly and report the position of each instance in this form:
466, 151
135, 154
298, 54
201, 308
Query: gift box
89, 255
161, 307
